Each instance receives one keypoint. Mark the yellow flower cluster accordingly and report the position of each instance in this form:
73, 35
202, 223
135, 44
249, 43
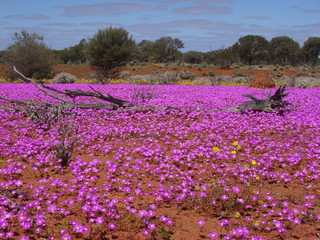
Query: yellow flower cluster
215, 149
3, 80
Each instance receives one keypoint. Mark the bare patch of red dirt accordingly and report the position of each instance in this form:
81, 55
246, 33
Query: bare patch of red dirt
262, 80
81, 71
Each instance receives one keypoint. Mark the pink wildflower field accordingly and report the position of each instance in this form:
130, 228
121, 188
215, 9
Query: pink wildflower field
190, 174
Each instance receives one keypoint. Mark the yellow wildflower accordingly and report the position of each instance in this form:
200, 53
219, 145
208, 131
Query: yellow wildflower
215, 149
235, 143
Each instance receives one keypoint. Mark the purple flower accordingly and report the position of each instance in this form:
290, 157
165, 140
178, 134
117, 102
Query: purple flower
111, 226
213, 235
307, 205
202, 194
224, 222
143, 213
169, 222
152, 226
201, 222
145, 232
9, 234
153, 206
269, 198
24, 238
66, 237
235, 189
224, 197
99, 220
277, 224
163, 219
296, 221
240, 231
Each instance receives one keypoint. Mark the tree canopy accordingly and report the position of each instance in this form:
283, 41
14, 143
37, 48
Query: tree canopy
30, 54
283, 50
109, 49
312, 48
252, 49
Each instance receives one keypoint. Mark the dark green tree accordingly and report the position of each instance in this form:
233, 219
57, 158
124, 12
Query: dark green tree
145, 51
30, 55
312, 49
62, 56
193, 57
251, 49
108, 50
1, 56
166, 49
283, 50
74, 54
223, 57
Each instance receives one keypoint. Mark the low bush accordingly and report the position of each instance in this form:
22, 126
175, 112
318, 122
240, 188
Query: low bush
187, 75
239, 74
64, 77
219, 79
144, 94
166, 77
65, 146
125, 75
202, 81
300, 82
209, 74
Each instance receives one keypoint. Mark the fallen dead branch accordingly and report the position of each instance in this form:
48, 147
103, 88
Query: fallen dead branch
274, 103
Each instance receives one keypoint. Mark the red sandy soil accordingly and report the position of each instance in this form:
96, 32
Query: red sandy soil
84, 71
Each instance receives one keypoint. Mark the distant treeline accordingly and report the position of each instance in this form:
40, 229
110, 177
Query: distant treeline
248, 50
111, 48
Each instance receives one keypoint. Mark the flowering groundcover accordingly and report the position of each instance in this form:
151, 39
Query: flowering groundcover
188, 174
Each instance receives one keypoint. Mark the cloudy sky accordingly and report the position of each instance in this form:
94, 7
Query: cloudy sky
200, 24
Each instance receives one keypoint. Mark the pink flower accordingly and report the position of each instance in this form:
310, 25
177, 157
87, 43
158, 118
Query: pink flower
213, 235
152, 226
224, 197
201, 222
111, 226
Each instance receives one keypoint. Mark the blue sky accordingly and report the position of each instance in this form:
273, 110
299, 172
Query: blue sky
200, 24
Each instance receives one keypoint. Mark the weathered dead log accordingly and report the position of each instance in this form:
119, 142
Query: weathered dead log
274, 103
